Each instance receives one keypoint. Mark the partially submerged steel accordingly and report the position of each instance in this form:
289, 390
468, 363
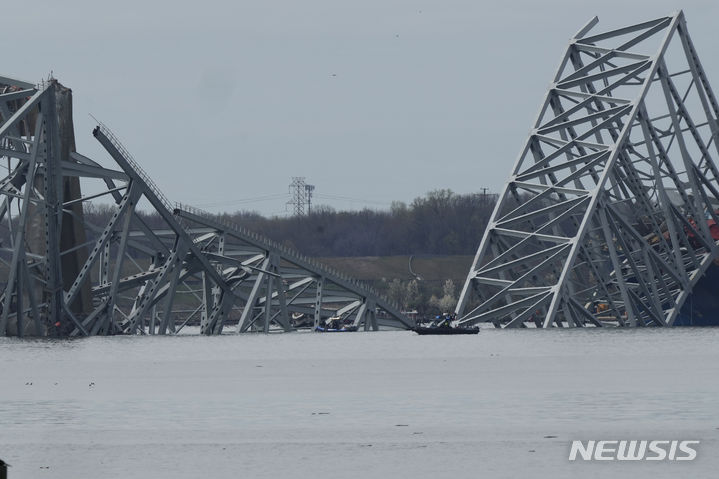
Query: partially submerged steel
606, 216
65, 275
285, 288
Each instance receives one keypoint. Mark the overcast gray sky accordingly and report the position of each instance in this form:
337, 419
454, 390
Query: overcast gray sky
222, 102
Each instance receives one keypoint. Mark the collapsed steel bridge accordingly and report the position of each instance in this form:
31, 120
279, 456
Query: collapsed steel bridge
608, 213
606, 219
65, 275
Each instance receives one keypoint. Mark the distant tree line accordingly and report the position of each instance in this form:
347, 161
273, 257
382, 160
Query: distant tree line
442, 223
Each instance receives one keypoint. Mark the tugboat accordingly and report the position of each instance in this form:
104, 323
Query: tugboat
443, 325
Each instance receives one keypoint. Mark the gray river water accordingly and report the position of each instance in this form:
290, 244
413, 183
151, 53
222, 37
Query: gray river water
386, 404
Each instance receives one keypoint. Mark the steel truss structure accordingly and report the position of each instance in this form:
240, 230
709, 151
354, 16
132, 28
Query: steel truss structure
606, 217
286, 289
66, 274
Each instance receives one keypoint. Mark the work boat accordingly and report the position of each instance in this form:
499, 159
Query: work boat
343, 329
444, 328
336, 325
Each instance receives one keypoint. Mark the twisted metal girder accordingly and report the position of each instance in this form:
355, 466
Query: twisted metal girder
607, 216
284, 287
65, 275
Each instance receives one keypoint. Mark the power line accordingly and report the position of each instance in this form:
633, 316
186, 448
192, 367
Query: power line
255, 199
349, 198
300, 194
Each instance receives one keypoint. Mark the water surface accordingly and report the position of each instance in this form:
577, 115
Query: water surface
385, 404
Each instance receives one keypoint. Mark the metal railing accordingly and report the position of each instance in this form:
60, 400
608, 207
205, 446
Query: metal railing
135, 165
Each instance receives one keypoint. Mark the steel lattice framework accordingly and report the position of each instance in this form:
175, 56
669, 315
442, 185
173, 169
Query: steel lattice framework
286, 288
606, 216
65, 275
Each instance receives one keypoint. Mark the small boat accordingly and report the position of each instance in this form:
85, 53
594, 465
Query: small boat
427, 330
344, 329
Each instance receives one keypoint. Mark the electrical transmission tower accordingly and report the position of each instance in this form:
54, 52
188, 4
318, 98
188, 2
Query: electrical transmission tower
300, 196
608, 214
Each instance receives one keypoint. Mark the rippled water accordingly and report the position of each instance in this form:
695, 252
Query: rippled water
387, 404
